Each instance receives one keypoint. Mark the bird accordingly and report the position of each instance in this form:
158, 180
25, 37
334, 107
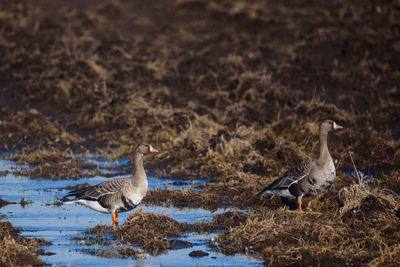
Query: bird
118, 195
308, 178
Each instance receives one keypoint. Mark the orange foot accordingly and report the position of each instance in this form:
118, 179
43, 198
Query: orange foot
309, 204
299, 204
115, 219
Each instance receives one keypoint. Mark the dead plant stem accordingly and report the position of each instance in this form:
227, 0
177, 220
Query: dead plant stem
355, 168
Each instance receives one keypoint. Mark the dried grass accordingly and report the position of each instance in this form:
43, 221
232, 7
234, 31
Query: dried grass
18, 250
53, 164
149, 230
238, 104
361, 230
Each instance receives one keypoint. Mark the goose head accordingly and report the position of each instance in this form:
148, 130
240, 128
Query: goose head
145, 148
329, 126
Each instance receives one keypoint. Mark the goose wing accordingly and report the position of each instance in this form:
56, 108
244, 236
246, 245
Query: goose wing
95, 192
292, 176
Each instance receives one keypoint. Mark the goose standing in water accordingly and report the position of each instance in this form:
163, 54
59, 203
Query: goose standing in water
307, 178
117, 195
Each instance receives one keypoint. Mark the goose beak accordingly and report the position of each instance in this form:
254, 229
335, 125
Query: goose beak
153, 150
336, 126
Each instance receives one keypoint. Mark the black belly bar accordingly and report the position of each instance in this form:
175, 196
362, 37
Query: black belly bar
128, 205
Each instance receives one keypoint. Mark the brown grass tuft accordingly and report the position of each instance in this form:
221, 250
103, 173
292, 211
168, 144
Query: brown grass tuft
18, 250
148, 230
53, 164
5, 202
359, 230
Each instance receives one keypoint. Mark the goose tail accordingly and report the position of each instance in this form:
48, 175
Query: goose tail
76, 194
264, 192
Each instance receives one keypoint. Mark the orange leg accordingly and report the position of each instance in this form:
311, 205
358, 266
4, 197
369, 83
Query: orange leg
309, 204
299, 204
115, 219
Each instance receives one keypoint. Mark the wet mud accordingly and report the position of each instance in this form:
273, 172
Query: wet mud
228, 91
5, 202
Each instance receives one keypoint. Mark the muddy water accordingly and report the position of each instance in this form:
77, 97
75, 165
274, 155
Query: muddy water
62, 225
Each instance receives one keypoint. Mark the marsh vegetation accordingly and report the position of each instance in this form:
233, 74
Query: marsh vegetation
229, 91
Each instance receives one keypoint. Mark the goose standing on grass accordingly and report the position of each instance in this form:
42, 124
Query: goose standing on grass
307, 178
117, 195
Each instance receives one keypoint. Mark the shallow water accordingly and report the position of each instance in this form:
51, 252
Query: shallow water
358, 174
60, 224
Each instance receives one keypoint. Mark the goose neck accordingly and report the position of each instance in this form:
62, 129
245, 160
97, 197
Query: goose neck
323, 146
138, 164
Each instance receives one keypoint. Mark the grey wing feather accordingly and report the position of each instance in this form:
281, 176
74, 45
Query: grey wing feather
97, 191
291, 176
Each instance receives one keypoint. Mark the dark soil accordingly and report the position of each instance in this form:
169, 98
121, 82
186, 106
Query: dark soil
209, 198
231, 91
198, 254
179, 244
118, 252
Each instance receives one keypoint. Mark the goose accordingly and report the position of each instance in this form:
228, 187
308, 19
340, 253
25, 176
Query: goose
308, 178
118, 195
